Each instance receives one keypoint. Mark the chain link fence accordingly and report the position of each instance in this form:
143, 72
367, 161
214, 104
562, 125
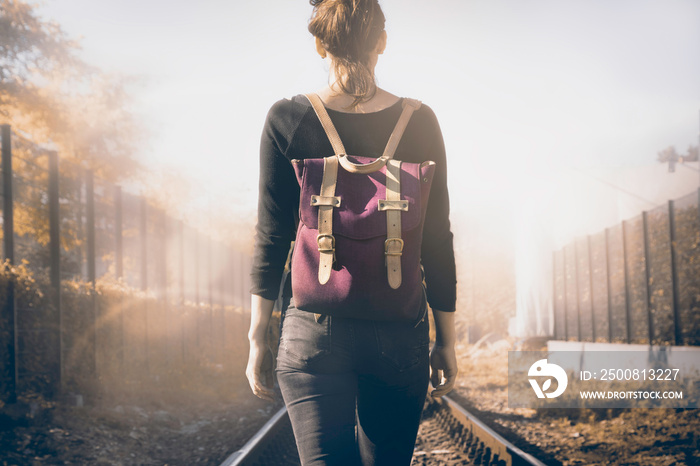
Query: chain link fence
636, 282
99, 287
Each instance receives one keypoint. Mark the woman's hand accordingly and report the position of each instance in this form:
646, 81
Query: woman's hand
259, 370
443, 360
443, 369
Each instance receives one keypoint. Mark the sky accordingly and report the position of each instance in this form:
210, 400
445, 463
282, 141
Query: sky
524, 90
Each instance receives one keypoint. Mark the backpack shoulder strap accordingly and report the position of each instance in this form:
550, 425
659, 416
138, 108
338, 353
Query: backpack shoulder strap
326, 122
409, 106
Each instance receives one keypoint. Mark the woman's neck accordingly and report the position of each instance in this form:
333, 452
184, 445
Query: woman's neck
335, 99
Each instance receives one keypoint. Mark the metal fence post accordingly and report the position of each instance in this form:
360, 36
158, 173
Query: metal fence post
181, 283
169, 291
163, 305
163, 253
9, 395
90, 213
196, 291
119, 265
8, 205
118, 234
236, 287
247, 280
238, 278
80, 227
608, 284
647, 275
231, 317
566, 294
143, 227
590, 286
210, 294
144, 246
554, 294
675, 286
578, 294
627, 285
222, 301
55, 268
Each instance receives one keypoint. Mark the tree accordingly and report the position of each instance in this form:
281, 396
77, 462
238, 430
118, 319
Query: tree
691, 155
50, 95
54, 100
667, 155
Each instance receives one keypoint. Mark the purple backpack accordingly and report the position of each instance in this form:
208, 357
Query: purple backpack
357, 249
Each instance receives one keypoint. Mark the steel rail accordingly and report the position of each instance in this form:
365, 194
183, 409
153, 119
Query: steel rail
259, 446
482, 444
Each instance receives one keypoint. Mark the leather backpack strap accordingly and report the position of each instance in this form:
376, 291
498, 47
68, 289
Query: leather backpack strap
326, 122
409, 106
326, 200
393, 205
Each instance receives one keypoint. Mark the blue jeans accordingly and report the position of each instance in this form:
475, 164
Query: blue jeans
354, 389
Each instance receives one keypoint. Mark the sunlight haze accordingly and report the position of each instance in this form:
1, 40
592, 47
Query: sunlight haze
521, 89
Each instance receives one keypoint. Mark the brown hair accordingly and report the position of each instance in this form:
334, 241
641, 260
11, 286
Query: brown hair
349, 30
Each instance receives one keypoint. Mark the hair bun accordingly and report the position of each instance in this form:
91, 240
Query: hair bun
349, 31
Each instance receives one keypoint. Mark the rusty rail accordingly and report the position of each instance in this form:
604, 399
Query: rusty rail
274, 444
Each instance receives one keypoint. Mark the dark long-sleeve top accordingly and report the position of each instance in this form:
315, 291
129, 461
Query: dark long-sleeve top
292, 131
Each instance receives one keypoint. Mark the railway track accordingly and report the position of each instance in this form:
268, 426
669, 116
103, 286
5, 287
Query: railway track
448, 435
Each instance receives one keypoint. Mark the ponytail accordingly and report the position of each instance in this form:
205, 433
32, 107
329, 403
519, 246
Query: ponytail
349, 30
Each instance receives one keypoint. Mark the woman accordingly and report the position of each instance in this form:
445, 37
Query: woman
354, 388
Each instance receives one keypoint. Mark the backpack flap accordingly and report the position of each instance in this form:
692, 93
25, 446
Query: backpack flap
359, 215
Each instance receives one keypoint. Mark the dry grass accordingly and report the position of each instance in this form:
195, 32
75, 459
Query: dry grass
646, 437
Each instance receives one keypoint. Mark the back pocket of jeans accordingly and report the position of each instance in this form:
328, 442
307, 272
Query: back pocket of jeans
402, 345
303, 339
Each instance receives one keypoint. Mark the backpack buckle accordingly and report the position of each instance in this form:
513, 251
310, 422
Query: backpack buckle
389, 251
322, 241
